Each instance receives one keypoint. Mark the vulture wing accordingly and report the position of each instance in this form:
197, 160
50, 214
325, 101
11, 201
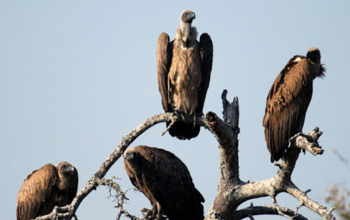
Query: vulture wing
34, 197
206, 53
164, 57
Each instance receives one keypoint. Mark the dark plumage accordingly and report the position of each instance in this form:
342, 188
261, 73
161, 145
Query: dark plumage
165, 180
183, 72
46, 188
288, 100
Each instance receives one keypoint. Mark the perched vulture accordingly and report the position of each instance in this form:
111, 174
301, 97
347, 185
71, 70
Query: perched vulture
46, 188
165, 180
288, 100
183, 72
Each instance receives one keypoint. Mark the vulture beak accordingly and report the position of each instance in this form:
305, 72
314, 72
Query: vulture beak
71, 169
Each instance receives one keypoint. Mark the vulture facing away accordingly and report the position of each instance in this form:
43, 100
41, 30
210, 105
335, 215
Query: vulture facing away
183, 71
46, 188
288, 100
165, 180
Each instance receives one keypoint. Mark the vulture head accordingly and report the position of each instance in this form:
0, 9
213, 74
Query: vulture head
65, 168
131, 158
66, 171
187, 17
314, 55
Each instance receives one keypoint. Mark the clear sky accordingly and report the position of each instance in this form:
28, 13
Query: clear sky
76, 76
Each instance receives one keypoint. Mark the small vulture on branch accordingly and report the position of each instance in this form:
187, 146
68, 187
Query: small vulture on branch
165, 180
46, 188
183, 72
288, 100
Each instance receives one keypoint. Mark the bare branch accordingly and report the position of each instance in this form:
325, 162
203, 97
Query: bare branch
230, 111
111, 184
301, 202
69, 210
308, 142
231, 191
311, 204
120, 197
57, 213
266, 210
278, 208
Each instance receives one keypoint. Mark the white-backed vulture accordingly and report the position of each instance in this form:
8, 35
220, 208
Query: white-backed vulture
183, 71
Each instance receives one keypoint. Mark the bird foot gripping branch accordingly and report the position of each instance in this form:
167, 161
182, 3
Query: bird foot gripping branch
181, 117
306, 142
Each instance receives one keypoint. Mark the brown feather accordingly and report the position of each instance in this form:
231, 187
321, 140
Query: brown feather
183, 72
46, 188
206, 53
165, 180
164, 55
287, 102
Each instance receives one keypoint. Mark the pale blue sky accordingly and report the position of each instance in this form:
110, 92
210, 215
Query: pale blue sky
76, 76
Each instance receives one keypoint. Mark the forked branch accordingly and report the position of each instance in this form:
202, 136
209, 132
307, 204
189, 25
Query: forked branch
232, 192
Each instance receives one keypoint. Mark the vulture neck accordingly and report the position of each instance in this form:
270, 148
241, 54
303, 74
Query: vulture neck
186, 31
63, 182
186, 35
316, 69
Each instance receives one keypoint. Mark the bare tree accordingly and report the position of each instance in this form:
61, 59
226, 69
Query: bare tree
232, 191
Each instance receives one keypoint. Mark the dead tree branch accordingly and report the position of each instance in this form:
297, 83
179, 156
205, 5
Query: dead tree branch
266, 210
68, 211
232, 192
120, 197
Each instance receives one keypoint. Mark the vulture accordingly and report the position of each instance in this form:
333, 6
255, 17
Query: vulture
288, 100
46, 188
183, 72
165, 180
